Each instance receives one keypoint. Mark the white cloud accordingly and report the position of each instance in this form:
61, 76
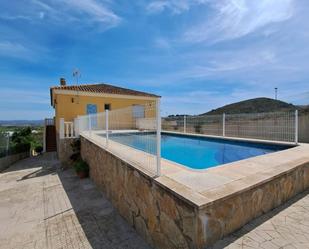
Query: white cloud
23, 97
41, 15
198, 102
15, 17
95, 10
224, 64
84, 12
13, 49
175, 6
162, 43
232, 19
22, 49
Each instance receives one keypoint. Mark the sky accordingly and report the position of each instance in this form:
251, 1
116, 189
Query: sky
197, 54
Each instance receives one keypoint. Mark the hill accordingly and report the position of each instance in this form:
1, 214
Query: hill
256, 105
21, 122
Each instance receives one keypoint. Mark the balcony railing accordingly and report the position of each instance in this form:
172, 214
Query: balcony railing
68, 129
49, 121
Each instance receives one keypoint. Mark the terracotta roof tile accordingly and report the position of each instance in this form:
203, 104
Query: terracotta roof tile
103, 88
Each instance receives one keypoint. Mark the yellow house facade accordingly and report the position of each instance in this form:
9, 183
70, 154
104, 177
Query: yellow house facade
71, 101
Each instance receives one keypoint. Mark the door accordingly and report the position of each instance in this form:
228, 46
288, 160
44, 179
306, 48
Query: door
92, 109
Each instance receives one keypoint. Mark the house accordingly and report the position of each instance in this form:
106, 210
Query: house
71, 101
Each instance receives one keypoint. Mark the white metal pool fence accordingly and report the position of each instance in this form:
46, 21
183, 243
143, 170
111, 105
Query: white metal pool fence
141, 119
275, 126
145, 120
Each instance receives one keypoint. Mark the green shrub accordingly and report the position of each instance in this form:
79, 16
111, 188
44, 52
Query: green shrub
81, 166
75, 145
39, 149
20, 148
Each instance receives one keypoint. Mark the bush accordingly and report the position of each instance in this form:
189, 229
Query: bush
81, 166
39, 149
20, 148
75, 157
75, 145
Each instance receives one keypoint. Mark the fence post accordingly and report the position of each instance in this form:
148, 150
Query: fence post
76, 126
61, 126
185, 124
223, 124
296, 126
158, 140
106, 126
89, 124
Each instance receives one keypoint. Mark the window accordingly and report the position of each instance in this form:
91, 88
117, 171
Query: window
138, 111
91, 109
107, 106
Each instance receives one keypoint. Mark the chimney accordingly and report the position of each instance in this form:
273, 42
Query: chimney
62, 82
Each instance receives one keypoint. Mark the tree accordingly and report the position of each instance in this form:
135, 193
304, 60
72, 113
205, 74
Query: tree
23, 136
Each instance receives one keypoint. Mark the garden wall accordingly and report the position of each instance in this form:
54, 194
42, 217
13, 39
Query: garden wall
64, 150
5, 162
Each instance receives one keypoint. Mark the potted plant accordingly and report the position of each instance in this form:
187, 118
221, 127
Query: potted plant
81, 168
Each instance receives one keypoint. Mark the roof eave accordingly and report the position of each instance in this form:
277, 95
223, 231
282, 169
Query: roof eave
90, 93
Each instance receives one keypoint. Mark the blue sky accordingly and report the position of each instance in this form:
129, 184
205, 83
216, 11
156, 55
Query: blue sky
196, 54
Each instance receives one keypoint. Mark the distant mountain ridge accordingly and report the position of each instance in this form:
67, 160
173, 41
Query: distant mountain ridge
21, 122
257, 105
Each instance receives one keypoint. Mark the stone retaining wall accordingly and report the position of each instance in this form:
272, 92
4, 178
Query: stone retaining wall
225, 216
167, 220
161, 218
5, 162
64, 150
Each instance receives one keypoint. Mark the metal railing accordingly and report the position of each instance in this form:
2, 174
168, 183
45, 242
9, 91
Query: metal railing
49, 121
134, 133
276, 126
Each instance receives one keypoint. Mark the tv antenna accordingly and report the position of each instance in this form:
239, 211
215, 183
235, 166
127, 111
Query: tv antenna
76, 74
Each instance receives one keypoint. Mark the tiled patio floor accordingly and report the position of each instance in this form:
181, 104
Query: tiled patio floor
284, 227
44, 207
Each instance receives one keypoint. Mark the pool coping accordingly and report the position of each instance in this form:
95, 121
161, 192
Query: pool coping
251, 140
237, 177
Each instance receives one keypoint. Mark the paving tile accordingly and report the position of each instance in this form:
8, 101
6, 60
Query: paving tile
281, 228
44, 207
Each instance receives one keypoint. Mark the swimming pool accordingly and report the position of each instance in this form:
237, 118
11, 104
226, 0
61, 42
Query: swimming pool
196, 152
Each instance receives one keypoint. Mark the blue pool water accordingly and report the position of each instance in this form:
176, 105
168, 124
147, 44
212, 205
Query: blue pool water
196, 152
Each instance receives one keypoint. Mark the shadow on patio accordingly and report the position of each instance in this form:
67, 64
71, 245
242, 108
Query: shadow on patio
67, 212
101, 223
